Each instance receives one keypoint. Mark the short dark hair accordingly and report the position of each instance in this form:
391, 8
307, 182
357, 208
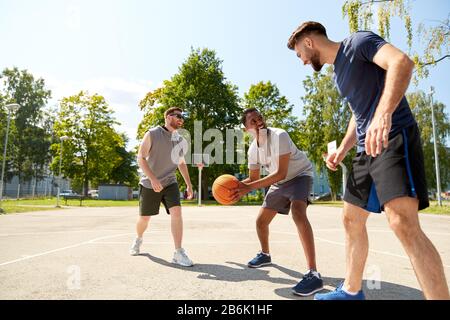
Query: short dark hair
245, 113
171, 110
304, 29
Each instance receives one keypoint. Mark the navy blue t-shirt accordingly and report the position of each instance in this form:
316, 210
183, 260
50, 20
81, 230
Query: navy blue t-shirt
360, 81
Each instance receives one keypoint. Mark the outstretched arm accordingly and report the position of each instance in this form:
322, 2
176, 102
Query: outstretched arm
399, 69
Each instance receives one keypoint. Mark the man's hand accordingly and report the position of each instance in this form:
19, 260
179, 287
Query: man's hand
334, 159
156, 185
377, 135
190, 194
240, 191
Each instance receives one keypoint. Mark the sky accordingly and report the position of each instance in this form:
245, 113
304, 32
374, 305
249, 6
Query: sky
123, 49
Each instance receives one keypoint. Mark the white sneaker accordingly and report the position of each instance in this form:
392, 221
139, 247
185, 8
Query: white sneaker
180, 257
135, 248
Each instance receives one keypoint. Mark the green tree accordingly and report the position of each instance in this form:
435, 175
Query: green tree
29, 154
266, 97
434, 37
125, 169
326, 119
200, 89
90, 155
421, 106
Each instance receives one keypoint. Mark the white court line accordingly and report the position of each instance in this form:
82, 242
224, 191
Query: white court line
51, 232
92, 241
61, 249
164, 230
192, 242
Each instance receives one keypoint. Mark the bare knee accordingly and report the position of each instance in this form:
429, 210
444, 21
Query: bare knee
144, 219
175, 212
403, 220
404, 226
354, 219
298, 210
264, 218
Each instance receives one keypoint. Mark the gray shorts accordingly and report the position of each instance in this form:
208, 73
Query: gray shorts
280, 196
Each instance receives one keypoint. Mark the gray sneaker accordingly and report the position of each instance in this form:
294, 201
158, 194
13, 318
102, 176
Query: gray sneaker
135, 248
180, 257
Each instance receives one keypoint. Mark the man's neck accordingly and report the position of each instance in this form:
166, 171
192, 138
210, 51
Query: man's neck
168, 128
330, 51
261, 136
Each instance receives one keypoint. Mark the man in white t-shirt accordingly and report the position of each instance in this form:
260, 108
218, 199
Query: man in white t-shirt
290, 179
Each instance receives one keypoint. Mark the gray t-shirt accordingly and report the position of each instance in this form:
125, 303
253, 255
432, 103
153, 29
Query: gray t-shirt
277, 144
166, 151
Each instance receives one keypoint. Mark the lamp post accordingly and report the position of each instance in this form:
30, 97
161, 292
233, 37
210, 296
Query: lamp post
11, 108
436, 154
63, 138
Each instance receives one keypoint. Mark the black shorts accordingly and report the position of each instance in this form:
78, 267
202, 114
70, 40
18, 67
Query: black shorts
397, 172
150, 201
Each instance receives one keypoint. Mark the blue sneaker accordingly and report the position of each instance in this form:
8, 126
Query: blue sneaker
310, 283
260, 260
339, 294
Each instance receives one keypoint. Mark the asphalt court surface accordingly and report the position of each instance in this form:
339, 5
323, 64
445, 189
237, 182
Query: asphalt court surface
83, 253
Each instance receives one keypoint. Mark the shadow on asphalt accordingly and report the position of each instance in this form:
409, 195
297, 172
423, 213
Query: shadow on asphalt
387, 291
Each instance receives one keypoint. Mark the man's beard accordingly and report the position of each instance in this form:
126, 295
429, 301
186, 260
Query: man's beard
175, 125
315, 62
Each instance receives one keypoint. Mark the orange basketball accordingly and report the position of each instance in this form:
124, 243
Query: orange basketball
222, 186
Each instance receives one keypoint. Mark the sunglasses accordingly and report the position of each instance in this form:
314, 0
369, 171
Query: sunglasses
178, 115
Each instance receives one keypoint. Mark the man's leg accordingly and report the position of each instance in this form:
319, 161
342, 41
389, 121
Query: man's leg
356, 245
142, 225
403, 219
305, 232
262, 227
176, 225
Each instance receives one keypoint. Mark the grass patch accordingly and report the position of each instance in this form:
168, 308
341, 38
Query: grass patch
28, 205
339, 204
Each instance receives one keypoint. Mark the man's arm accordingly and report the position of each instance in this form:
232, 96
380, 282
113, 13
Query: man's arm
254, 174
347, 143
144, 150
399, 68
272, 178
185, 173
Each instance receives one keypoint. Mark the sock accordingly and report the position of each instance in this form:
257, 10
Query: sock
314, 272
349, 292
267, 254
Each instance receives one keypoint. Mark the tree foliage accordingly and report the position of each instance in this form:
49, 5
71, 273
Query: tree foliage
94, 148
29, 142
326, 119
434, 37
201, 89
421, 106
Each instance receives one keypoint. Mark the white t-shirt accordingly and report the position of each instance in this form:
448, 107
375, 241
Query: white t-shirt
277, 144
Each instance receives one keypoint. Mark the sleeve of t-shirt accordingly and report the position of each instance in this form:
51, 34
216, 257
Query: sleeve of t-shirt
366, 45
284, 143
253, 158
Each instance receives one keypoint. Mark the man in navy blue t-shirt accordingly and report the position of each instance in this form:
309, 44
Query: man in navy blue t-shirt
388, 170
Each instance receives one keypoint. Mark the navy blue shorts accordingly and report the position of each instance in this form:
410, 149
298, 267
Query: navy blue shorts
397, 172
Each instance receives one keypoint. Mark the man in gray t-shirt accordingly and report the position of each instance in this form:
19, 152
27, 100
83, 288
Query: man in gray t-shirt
160, 154
290, 179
